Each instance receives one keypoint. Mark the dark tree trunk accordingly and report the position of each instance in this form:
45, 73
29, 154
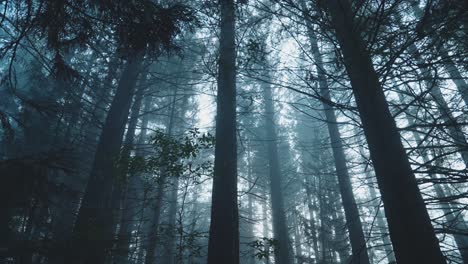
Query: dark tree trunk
135, 198
410, 227
93, 230
126, 184
223, 245
353, 221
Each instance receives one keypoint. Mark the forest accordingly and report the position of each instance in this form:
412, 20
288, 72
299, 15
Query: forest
233, 131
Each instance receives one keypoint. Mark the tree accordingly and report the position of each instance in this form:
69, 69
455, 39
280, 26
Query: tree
223, 246
353, 222
410, 227
280, 228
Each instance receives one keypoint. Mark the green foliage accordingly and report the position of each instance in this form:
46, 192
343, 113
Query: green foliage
264, 247
173, 156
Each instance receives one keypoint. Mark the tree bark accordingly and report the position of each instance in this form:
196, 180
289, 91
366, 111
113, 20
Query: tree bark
410, 227
353, 221
129, 205
223, 244
93, 229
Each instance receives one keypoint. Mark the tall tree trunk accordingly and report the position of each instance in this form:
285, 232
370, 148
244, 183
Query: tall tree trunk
312, 205
169, 248
136, 198
67, 202
325, 227
410, 227
280, 229
265, 227
250, 206
193, 225
297, 238
340, 245
93, 229
155, 219
223, 244
129, 182
153, 234
353, 221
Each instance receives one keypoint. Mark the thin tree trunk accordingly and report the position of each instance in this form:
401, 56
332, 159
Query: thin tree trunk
192, 253
128, 188
340, 238
280, 228
353, 221
265, 229
311, 205
153, 235
155, 219
136, 197
297, 238
325, 228
169, 248
250, 216
169, 253
223, 244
